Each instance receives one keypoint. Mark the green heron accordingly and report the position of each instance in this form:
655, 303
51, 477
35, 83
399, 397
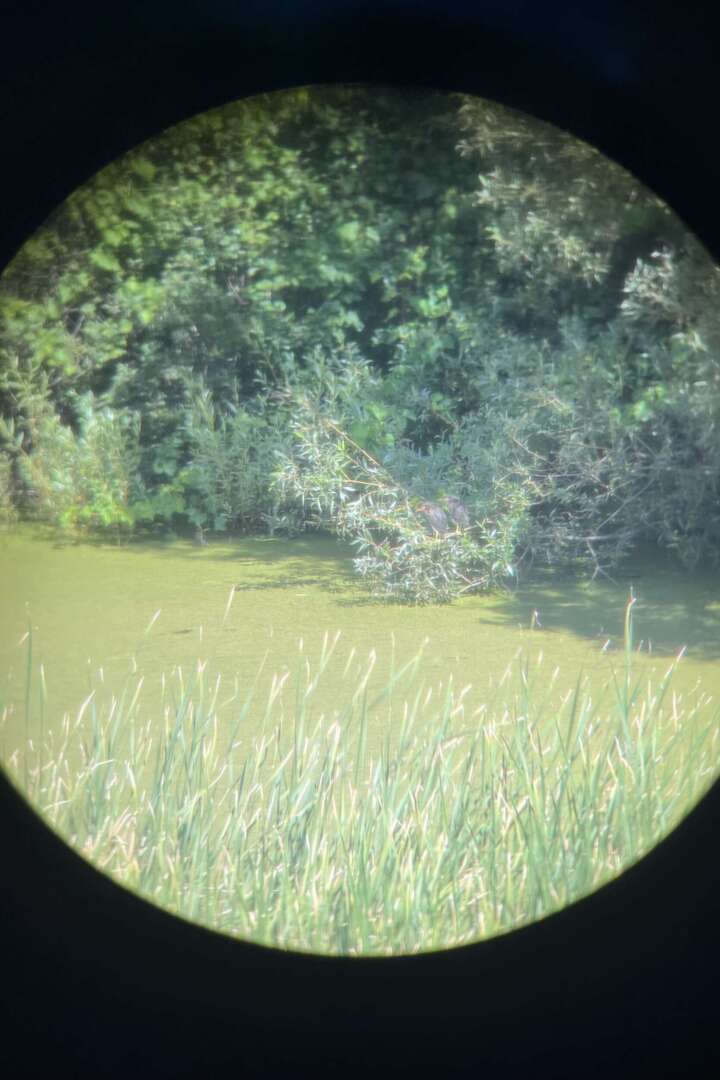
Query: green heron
435, 517
457, 511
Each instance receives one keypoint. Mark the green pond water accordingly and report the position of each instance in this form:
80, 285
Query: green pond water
89, 605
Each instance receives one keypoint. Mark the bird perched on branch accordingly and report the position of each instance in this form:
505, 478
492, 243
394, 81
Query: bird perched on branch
457, 511
435, 517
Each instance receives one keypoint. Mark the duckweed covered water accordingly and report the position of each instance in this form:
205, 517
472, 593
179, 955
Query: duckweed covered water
253, 610
361, 801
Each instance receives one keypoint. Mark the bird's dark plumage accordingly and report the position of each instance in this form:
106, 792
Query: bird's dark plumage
458, 512
435, 517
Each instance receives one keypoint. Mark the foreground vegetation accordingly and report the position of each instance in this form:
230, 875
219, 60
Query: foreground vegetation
465, 823
327, 306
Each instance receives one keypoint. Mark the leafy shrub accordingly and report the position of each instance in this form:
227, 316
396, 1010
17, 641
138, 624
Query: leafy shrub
8, 513
228, 482
83, 480
361, 500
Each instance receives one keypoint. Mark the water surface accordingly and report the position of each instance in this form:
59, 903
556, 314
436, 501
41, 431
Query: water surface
90, 603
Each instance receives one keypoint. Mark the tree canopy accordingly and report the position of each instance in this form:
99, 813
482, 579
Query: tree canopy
240, 321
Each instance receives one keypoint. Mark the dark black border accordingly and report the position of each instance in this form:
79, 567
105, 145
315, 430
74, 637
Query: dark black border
94, 981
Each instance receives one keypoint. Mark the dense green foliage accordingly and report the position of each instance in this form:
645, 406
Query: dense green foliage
325, 306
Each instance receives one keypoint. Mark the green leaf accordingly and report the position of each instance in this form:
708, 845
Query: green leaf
105, 261
143, 168
114, 237
642, 411
349, 232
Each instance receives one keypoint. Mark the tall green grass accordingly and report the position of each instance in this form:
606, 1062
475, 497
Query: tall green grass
465, 822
